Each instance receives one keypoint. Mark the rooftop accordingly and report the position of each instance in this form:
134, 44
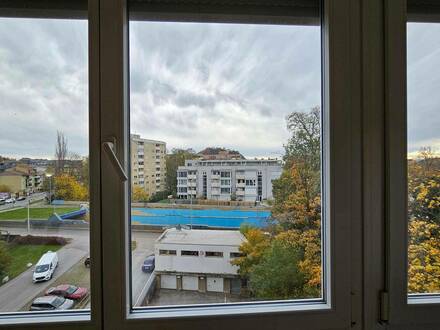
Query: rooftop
201, 237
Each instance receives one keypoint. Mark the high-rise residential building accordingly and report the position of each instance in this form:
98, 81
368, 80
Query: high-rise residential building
147, 164
240, 179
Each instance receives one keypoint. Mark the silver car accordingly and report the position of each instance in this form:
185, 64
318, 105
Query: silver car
48, 303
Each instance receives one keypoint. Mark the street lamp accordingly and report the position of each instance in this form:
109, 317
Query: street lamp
50, 190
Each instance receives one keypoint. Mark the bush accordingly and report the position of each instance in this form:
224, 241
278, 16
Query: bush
39, 240
160, 195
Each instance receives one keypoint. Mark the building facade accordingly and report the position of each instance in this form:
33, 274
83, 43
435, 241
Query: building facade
21, 180
148, 164
198, 260
242, 180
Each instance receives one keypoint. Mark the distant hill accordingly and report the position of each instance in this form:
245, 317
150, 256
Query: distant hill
214, 153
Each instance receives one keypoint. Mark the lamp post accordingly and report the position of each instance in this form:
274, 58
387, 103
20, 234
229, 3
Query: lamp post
28, 217
50, 190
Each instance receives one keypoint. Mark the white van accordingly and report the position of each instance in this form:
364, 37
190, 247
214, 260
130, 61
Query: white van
45, 267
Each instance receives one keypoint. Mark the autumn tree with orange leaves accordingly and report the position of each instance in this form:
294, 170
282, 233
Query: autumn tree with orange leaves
291, 247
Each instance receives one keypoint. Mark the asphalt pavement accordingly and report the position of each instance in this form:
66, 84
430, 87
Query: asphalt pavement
16, 293
23, 203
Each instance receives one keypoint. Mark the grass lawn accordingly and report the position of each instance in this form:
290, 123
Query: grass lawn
21, 255
35, 213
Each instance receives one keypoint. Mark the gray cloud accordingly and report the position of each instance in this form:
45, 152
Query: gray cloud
234, 84
192, 85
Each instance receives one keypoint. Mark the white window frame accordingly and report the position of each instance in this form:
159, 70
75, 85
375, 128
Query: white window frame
87, 320
399, 311
341, 175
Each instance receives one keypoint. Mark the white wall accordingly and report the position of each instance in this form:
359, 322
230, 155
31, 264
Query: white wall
195, 264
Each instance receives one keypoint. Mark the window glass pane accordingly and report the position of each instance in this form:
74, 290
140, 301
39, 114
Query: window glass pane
424, 157
227, 121
44, 166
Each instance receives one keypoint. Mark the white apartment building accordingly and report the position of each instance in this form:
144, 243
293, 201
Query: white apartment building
246, 180
147, 164
198, 260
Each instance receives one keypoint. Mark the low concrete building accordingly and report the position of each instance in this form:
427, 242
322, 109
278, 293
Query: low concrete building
199, 260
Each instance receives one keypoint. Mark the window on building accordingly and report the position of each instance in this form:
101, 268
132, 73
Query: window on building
214, 254
167, 252
189, 253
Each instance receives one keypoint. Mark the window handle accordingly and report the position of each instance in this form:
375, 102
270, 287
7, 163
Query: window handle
109, 148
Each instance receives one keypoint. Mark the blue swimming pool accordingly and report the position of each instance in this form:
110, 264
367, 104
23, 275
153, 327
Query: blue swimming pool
211, 218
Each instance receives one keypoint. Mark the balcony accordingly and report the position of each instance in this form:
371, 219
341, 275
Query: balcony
215, 184
191, 184
240, 177
239, 192
241, 185
215, 176
192, 176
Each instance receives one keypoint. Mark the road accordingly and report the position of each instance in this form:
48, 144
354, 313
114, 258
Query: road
23, 203
16, 293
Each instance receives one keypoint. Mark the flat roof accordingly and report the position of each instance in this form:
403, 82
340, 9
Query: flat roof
201, 237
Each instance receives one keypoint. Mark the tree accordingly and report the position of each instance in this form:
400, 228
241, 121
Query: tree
173, 160
68, 188
252, 250
139, 195
277, 275
5, 259
424, 223
423, 257
424, 187
60, 152
296, 215
297, 192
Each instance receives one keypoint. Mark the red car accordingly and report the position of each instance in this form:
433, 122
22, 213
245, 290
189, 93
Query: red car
68, 291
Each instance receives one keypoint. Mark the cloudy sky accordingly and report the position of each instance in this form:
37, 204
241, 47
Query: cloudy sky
192, 85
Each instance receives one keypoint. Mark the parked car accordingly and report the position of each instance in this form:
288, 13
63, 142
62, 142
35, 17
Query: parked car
148, 265
68, 291
50, 303
2, 201
87, 262
45, 267
10, 200
21, 198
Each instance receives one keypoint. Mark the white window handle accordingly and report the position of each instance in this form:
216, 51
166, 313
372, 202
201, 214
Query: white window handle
109, 148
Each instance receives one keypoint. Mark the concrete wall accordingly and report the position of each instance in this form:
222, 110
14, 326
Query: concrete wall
195, 264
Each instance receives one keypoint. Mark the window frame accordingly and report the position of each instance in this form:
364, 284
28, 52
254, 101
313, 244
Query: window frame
342, 170
422, 312
87, 319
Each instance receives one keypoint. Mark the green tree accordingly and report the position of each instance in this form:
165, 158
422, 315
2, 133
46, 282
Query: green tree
173, 160
252, 250
5, 259
277, 275
297, 192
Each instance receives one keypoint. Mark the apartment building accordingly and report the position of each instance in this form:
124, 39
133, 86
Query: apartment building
148, 164
21, 179
242, 180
